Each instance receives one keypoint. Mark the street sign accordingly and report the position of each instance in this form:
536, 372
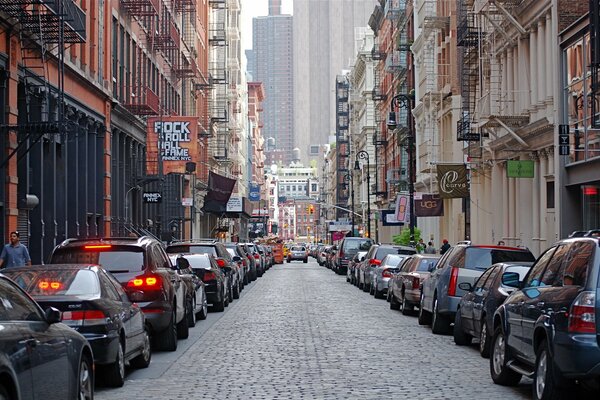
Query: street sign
152, 197
187, 201
563, 140
339, 226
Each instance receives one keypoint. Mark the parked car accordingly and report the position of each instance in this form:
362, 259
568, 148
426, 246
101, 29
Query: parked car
217, 250
94, 304
197, 307
462, 263
37, 349
215, 279
548, 330
298, 253
145, 273
352, 264
239, 256
475, 313
373, 258
322, 255
405, 287
347, 249
383, 273
258, 260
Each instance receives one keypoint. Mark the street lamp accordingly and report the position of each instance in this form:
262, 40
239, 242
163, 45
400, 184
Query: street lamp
348, 178
363, 155
405, 101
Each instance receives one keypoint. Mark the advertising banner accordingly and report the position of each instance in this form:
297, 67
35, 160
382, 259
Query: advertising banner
520, 169
234, 204
430, 205
152, 197
452, 181
402, 208
388, 218
219, 191
178, 141
254, 192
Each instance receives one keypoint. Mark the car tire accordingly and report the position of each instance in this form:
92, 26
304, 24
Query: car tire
371, 289
219, 306
85, 379
424, 316
288, 260
305, 260
143, 360
114, 373
501, 374
183, 330
405, 306
547, 383
485, 340
439, 324
461, 338
377, 293
203, 313
167, 339
236, 291
191, 313
4, 393
394, 305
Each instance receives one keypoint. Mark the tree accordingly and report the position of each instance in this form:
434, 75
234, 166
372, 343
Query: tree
404, 237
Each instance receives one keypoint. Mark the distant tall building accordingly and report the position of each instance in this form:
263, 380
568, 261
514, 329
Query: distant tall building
270, 62
323, 47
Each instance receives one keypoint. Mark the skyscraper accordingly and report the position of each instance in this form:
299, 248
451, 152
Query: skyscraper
271, 63
323, 47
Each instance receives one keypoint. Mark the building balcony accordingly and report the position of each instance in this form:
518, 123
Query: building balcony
396, 62
217, 35
394, 9
143, 101
142, 8
378, 95
218, 3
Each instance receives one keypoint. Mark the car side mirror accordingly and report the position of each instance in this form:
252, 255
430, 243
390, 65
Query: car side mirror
182, 263
362, 259
511, 279
466, 286
52, 315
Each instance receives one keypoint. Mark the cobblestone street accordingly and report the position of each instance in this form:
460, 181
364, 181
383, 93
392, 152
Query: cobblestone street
303, 332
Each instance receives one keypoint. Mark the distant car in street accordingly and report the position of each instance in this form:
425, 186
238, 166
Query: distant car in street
298, 253
352, 267
197, 307
373, 258
405, 286
347, 249
94, 304
475, 313
37, 350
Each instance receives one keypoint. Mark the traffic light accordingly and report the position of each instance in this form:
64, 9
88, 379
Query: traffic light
311, 209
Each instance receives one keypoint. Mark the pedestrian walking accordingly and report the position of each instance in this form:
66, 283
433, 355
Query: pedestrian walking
14, 254
420, 246
445, 247
430, 249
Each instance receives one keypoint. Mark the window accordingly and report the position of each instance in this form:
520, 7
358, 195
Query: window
481, 282
551, 272
550, 194
533, 279
15, 305
575, 267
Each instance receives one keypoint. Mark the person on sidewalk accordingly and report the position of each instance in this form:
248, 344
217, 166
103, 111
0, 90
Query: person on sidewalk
430, 249
445, 247
14, 254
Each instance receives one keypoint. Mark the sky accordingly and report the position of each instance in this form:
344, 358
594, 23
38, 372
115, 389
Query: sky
257, 8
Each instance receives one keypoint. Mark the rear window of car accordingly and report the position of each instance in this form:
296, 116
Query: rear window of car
115, 259
57, 282
194, 249
384, 251
231, 252
393, 260
355, 245
481, 258
426, 264
198, 261
297, 248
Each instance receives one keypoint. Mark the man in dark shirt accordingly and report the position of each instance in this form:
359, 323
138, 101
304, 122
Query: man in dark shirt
14, 254
444, 248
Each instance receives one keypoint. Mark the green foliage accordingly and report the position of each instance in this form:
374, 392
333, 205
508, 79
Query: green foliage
313, 163
404, 237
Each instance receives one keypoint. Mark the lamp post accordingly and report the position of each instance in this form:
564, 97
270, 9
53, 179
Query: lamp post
347, 178
363, 155
405, 101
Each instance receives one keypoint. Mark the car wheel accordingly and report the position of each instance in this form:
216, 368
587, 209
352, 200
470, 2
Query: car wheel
439, 323
3, 393
547, 384
394, 305
377, 293
183, 330
167, 339
143, 360
406, 307
114, 374
86, 379
485, 340
461, 338
191, 313
203, 313
236, 291
424, 316
501, 374
305, 260
220, 304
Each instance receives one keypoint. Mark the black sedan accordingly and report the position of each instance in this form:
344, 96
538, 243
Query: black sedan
39, 356
474, 317
214, 278
93, 303
197, 307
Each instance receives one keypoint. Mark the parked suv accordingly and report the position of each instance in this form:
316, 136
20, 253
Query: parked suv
548, 330
441, 293
145, 272
348, 249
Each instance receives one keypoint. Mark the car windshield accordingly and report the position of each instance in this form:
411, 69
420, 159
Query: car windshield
56, 282
114, 259
353, 246
192, 248
482, 258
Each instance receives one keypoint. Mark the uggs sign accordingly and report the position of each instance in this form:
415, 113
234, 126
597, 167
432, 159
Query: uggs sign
177, 138
452, 181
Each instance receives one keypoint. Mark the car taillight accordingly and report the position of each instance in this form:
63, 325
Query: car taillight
208, 276
244, 263
374, 261
221, 263
256, 256
582, 316
342, 254
145, 282
416, 283
84, 317
453, 281
386, 274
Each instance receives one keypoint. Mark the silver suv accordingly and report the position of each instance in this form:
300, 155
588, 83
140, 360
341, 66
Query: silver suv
441, 293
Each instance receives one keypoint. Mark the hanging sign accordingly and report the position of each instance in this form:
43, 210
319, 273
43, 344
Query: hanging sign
453, 181
152, 197
430, 205
177, 138
520, 168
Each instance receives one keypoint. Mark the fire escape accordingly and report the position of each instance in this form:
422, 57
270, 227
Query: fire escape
342, 134
44, 29
219, 101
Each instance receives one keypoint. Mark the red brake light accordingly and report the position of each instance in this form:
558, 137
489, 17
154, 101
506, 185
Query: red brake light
386, 274
45, 285
152, 282
453, 282
221, 262
97, 246
244, 263
209, 276
84, 317
416, 283
256, 256
374, 261
582, 316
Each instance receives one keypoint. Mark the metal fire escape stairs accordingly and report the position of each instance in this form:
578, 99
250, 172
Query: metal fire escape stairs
342, 143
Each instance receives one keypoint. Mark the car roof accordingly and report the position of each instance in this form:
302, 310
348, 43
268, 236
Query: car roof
121, 241
47, 267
